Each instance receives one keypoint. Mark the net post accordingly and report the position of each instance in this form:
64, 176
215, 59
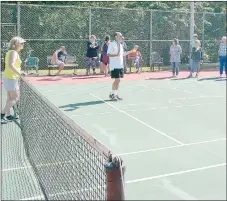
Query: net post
115, 170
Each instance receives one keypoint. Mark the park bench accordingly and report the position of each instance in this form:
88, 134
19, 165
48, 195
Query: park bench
70, 63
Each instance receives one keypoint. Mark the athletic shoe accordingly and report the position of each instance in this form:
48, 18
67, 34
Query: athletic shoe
10, 118
113, 97
4, 121
118, 98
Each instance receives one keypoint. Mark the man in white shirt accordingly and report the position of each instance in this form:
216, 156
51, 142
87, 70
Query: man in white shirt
116, 63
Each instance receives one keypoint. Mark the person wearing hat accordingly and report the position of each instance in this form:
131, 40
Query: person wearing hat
11, 76
195, 36
116, 63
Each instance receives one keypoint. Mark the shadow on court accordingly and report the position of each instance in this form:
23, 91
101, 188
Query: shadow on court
50, 79
159, 78
221, 79
87, 77
181, 78
75, 106
208, 78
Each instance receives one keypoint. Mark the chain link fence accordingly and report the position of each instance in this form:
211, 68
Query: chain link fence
46, 28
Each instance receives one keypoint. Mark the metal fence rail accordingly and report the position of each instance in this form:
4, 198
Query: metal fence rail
46, 28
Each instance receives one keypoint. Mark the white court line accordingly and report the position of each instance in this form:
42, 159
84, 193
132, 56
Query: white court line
176, 173
167, 185
171, 147
146, 178
88, 90
145, 124
148, 109
38, 197
122, 154
182, 90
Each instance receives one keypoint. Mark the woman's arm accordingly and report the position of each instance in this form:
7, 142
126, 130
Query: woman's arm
102, 46
96, 46
89, 45
12, 59
180, 50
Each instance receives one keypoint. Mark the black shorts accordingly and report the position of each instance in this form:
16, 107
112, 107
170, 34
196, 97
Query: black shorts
117, 73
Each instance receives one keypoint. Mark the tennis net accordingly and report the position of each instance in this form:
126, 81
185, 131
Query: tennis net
69, 163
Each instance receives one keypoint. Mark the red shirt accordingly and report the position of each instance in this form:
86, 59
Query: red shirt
134, 54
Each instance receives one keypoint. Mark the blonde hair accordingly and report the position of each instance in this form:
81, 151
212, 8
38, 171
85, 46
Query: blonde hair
15, 41
92, 36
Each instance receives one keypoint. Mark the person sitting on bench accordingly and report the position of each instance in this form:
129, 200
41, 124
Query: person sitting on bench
59, 58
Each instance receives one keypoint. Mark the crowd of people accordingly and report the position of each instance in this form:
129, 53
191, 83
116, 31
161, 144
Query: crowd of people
93, 60
113, 62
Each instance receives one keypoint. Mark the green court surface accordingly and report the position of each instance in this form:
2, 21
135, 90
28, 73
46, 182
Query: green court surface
171, 134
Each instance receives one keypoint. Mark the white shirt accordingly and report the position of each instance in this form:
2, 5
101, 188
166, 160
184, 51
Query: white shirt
115, 62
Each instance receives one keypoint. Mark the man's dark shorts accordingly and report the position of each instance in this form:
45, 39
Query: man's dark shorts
117, 73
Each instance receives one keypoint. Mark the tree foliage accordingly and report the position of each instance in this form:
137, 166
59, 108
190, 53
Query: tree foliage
45, 23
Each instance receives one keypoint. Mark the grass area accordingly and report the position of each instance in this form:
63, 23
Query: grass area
144, 69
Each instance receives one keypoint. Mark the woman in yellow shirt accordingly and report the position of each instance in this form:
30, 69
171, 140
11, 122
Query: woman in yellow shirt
11, 76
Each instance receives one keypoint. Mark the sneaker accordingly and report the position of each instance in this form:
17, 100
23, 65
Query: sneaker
113, 97
118, 98
4, 121
10, 118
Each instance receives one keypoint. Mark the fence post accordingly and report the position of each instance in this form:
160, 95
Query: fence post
150, 36
89, 20
18, 18
203, 30
192, 28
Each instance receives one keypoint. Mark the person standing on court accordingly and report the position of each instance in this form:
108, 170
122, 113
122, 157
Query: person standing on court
92, 55
116, 63
124, 58
175, 52
104, 56
197, 59
222, 56
11, 76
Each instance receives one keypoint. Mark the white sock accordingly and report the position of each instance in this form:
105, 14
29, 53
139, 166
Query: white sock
114, 92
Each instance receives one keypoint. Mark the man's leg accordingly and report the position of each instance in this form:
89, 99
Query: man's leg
225, 64
94, 64
173, 68
61, 67
116, 74
177, 64
197, 68
192, 69
87, 65
221, 65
